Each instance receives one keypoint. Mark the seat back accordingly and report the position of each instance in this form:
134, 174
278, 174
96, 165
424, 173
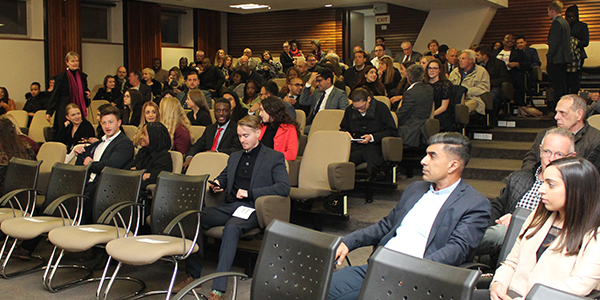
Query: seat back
326, 119
512, 233
431, 127
301, 119
130, 131
177, 159
594, 121
212, 114
176, 194
36, 128
385, 100
211, 163
542, 50
280, 82
20, 116
395, 117
294, 263
23, 174
395, 275
116, 186
542, 292
93, 107
322, 149
49, 154
66, 179
197, 132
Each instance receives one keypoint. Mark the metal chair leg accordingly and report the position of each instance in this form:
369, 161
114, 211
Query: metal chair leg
48, 279
3, 273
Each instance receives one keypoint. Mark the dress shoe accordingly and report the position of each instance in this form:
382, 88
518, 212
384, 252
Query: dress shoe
187, 280
213, 296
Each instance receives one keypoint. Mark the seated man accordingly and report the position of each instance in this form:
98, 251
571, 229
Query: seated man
451, 60
371, 121
135, 82
407, 54
352, 74
295, 89
440, 219
114, 150
254, 172
251, 62
326, 96
570, 114
517, 63
531, 53
522, 190
312, 61
498, 75
211, 78
220, 136
192, 81
36, 100
475, 78
416, 108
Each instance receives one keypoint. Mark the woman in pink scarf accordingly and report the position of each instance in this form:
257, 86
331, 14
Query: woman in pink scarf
70, 87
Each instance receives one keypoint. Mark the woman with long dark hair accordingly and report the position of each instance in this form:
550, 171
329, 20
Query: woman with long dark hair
76, 130
251, 94
6, 104
11, 146
132, 112
237, 110
109, 92
268, 68
370, 81
559, 244
279, 130
442, 91
200, 114
389, 76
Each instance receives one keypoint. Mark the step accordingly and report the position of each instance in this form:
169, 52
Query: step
509, 134
490, 189
490, 168
499, 149
530, 122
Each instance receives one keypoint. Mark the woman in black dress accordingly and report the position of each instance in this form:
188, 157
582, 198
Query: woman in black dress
370, 80
132, 113
442, 91
76, 129
109, 92
200, 114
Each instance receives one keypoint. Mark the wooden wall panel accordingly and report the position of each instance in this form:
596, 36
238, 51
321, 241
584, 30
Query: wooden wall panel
268, 31
143, 34
405, 25
530, 18
208, 32
63, 33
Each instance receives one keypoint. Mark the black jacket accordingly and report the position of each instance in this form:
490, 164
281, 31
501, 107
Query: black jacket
158, 162
229, 143
498, 72
34, 104
118, 153
580, 31
85, 130
519, 183
60, 98
114, 96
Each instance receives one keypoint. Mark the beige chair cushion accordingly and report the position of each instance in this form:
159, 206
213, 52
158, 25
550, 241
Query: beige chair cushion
36, 128
28, 228
144, 250
197, 132
298, 193
177, 159
9, 213
211, 163
130, 131
326, 119
82, 238
50, 153
217, 232
322, 149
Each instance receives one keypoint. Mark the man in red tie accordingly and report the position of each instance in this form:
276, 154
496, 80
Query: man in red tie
407, 54
220, 136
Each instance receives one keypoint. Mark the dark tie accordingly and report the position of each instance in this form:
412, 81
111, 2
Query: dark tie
406, 57
216, 141
315, 110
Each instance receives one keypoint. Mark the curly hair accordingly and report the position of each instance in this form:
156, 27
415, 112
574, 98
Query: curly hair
276, 109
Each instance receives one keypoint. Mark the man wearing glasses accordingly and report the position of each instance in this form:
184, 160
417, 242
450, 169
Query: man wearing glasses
295, 89
325, 96
379, 53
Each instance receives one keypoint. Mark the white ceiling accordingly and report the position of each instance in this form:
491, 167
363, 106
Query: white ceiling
425, 5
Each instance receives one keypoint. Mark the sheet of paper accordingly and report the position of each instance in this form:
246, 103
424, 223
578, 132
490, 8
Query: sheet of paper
90, 229
34, 220
243, 212
151, 241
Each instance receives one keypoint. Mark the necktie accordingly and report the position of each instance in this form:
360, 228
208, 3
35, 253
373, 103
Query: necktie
406, 58
315, 110
216, 141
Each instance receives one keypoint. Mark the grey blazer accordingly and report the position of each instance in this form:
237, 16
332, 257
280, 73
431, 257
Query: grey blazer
417, 104
559, 42
336, 100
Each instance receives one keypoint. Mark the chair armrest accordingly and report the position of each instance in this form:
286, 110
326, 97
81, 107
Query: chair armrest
341, 176
150, 189
207, 278
302, 144
6, 199
392, 149
269, 208
508, 91
537, 74
177, 221
488, 99
114, 211
294, 170
58, 203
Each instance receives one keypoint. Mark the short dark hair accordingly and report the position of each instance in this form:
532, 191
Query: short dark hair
110, 110
155, 59
271, 88
223, 100
193, 71
361, 52
380, 38
484, 50
36, 83
415, 73
137, 74
360, 94
106, 78
455, 144
310, 54
326, 74
382, 46
520, 37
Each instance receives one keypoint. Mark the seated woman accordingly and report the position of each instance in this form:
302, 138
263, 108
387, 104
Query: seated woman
268, 68
154, 155
6, 104
279, 130
295, 49
238, 82
227, 67
237, 110
390, 76
176, 82
442, 91
34, 145
200, 114
220, 58
109, 92
402, 86
132, 111
173, 117
11, 146
155, 86
149, 114
433, 46
559, 243
76, 130
251, 94
371, 82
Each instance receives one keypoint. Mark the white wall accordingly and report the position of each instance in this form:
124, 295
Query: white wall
369, 34
99, 60
458, 28
171, 56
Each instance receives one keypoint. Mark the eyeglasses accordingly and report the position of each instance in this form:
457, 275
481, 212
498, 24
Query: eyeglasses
557, 155
361, 108
297, 84
378, 50
433, 68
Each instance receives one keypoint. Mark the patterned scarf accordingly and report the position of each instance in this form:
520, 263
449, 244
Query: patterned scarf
76, 91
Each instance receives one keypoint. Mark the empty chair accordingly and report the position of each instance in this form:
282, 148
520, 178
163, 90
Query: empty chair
294, 263
49, 154
36, 128
394, 275
326, 119
20, 116
197, 132
23, 174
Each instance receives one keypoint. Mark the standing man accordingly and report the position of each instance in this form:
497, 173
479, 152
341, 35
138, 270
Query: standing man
580, 38
407, 54
559, 54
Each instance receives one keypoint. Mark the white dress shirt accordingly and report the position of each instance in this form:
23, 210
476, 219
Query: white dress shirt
99, 151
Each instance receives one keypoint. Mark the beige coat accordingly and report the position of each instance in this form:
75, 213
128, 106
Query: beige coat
477, 83
576, 274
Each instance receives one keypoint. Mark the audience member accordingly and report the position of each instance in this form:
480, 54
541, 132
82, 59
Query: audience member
517, 64
580, 38
176, 82
191, 81
76, 129
270, 89
220, 58
149, 114
498, 75
161, 75
475, 78
326, 96
199, 57
497, 45
34, 145
279, 131
332, 61
11, 146
252, 75
426, 59
407, 54
370, 81
531, 53
352, 74
432, 46
381, 41
211, 78
442, 91
315, 45
135, 83
292, 97
389, 76
173, 117
257, 171
313, 63
442, 50
250, 61
440, 219
292, 72
99, 131
303, 67
200, 114
402, 86
286, 57
110, 92
238, 83
416, 106
155, 86
559, 53
451, 60
558, 245
570, 114
132, 108
70, 87
227, 68
268, 68
238, 111
295, 49
121, 82
379, 52
251, 94
184, 68
35, 100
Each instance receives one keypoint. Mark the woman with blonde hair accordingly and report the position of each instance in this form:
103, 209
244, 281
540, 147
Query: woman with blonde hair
155, 86
389, 76
220, 58
176, 82
173, 117
149, 114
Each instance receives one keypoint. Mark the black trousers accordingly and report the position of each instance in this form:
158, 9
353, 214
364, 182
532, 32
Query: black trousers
558, 81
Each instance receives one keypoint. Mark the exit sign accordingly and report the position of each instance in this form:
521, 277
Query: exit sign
382, 19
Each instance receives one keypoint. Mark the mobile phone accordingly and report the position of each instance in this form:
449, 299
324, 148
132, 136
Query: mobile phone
357, 140
213, 183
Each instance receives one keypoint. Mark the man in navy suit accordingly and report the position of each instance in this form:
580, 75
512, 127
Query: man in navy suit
440, 219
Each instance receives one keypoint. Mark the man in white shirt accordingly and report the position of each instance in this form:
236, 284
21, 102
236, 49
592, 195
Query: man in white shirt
379, 52
440, 219
326, 96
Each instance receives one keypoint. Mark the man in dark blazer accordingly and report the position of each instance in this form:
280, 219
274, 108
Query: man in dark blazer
326, 96
114, 150
254, 172
498, 75
559, 53
227, 142
416, 108
135, 81
441, 219
408, 54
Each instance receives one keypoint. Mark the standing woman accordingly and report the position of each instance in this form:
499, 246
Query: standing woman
442, 91
131, 114
109, 92
559, 245
200, 114
76, 129
371, 82
390, 76
279, 131
11, 146
149, 114
173, 117
70, 86
6, 104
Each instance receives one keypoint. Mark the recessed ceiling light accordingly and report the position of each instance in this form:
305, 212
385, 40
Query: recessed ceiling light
250, 6
328, 5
